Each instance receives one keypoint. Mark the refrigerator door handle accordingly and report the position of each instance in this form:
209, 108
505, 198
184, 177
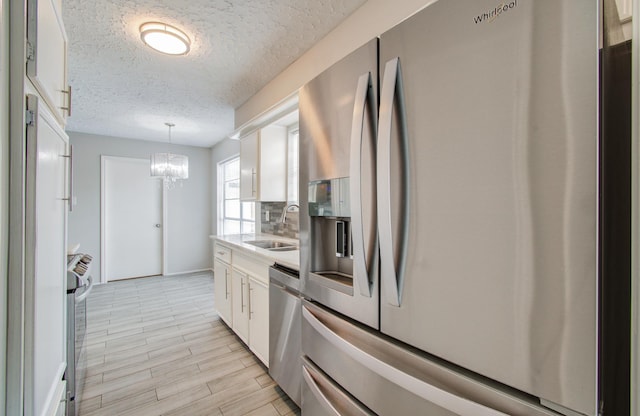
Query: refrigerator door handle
360, 255
428, 392
390, 94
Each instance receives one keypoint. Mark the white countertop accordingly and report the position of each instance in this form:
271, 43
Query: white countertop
238, 241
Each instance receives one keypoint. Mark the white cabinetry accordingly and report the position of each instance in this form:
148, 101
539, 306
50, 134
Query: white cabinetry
249, 167
47, 55
45, 268
251, 311
241, 293
273, 164
259, 319
222, 282
263, 165
240, 304
37, 352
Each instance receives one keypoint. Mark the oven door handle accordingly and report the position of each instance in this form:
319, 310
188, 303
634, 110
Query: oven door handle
84, 295
84, 279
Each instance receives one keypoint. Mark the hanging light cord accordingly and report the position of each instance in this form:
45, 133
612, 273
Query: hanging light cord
169, 125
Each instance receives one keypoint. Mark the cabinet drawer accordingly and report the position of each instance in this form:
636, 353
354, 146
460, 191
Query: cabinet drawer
250, 265
222, 253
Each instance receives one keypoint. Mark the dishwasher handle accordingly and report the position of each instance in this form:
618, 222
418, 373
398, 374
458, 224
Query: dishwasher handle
287, 290
283, 276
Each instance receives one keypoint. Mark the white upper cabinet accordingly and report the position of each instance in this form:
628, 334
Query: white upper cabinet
273, 164
263, 165
249, 166
47, 55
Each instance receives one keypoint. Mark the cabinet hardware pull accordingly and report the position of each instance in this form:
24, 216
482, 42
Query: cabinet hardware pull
242, 295
69, 158
250, 308
226, 285
68, 107
253, 175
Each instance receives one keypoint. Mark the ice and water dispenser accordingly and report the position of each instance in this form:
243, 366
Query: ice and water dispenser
330, 232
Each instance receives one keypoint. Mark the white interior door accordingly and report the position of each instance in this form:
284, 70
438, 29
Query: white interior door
131, 219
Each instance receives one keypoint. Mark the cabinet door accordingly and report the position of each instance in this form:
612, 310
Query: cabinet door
249, 167
259, 320
47, 55
45, 267
240, 304
272, 176
222, 291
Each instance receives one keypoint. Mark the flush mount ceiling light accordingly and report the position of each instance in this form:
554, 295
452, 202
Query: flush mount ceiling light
165, 38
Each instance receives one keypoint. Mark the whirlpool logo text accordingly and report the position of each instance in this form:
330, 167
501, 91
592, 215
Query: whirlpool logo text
493, 14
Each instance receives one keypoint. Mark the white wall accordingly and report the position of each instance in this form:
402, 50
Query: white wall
220, 152
188, 207
372, 19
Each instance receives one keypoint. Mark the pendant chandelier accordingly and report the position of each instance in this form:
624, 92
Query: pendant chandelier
172, 168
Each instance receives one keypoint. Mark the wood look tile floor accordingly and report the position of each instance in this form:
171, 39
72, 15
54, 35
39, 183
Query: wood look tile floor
156, 346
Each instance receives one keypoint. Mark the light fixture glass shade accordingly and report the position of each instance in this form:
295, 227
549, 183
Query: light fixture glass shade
165, 38
170, 167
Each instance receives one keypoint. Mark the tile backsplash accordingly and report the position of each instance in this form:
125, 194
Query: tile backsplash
273, 225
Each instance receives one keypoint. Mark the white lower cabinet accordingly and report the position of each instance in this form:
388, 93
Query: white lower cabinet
259, 319
241, 295
240, 304
222, 290
251, 312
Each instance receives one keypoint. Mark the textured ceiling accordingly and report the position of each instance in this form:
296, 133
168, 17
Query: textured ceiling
123, 88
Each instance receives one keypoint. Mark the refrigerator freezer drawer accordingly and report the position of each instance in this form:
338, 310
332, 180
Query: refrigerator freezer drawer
412, 383
321, 396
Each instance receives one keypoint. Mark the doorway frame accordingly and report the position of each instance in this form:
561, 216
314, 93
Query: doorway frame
635, 206
103, 228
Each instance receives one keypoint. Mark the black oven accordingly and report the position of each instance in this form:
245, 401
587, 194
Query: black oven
79, 285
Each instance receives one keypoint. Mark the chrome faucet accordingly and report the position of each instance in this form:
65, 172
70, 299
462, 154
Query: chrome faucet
283, 217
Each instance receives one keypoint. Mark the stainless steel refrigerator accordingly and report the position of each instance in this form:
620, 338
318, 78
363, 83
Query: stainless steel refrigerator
449, 170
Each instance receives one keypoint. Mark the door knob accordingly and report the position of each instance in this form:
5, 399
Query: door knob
158, 225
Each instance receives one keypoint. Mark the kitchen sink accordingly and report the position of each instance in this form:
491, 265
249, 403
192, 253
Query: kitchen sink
273, 245
285, 248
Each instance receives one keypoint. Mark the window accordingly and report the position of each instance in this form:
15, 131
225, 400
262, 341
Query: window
234, 216
292, 165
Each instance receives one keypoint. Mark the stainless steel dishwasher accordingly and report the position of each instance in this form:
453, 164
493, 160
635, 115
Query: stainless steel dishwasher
285, 327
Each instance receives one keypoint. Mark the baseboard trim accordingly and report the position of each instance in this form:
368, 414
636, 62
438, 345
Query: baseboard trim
189, 272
